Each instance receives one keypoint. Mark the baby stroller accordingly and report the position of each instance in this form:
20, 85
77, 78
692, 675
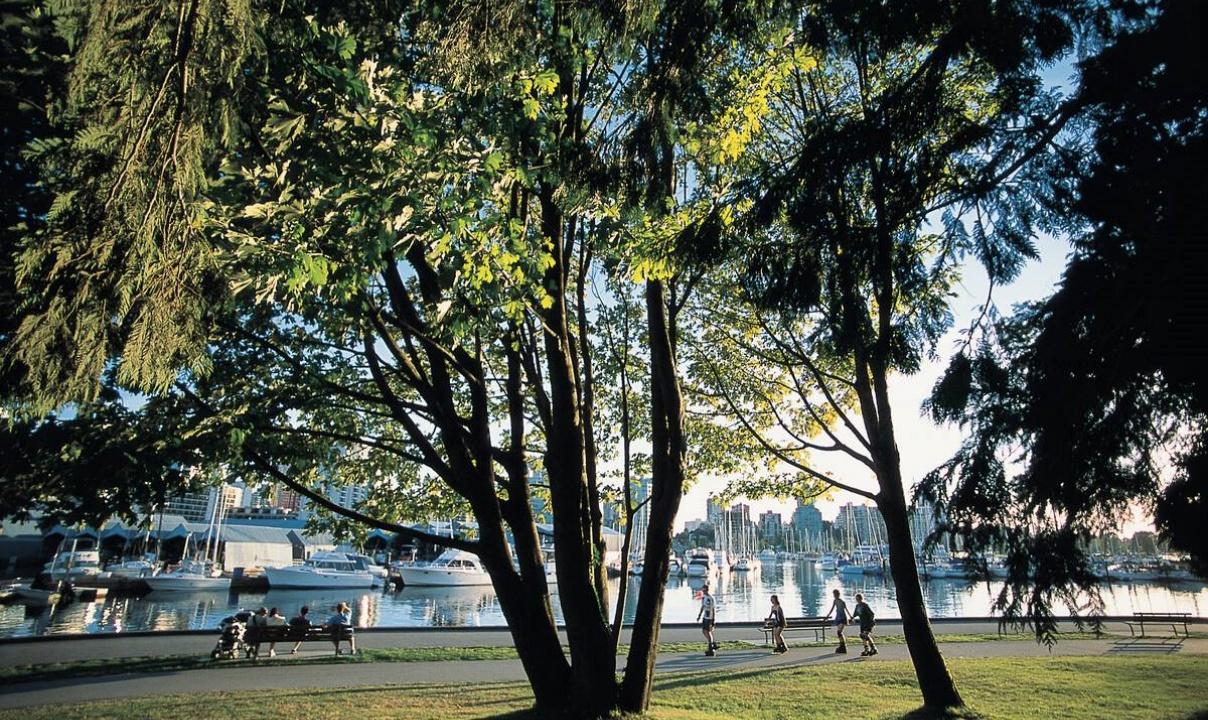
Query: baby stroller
230, 643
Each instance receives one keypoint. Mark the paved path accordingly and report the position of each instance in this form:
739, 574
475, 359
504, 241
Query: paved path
280, 674
36, 651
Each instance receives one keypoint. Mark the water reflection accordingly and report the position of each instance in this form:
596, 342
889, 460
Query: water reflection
803, 590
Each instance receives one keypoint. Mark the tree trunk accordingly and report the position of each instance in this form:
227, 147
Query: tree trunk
593, 664
935, 682
535, 637
667, 455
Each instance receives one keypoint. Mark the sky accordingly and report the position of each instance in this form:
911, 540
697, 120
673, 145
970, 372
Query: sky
923, 444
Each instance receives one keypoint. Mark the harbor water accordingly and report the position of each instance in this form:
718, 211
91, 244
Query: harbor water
741, 597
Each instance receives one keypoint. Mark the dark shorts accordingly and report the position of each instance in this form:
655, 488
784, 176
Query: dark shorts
706, 624
865, 630
839, 622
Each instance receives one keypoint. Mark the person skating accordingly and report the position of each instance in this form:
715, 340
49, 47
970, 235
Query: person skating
776, 620
863, 614
839, 609
706, 618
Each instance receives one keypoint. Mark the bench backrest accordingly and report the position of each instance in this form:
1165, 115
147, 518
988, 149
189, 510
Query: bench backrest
278, 633
803, 622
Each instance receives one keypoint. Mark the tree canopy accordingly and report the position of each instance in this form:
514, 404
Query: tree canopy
468, 254
1091, 402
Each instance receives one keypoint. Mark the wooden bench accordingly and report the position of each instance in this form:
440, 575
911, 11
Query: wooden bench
256, 635
800, 624
1173, 620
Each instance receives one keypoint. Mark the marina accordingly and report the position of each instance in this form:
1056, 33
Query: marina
804, 589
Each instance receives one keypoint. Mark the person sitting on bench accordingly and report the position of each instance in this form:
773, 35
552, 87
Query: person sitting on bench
301, 621
274, 619
342, 619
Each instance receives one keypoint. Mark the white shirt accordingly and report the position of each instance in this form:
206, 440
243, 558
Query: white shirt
706, 606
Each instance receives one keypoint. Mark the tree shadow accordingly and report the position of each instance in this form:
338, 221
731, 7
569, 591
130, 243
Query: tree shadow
703, 677
923, 713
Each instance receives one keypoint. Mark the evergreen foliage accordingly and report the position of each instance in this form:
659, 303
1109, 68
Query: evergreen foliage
1082, 406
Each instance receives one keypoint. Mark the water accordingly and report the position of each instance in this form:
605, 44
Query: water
802, 588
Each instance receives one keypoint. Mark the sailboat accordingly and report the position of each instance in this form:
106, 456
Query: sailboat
747, 561
196, 574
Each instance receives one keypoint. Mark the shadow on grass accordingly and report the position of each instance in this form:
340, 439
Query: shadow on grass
923, 713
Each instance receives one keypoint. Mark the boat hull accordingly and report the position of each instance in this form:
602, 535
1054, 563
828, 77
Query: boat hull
184, 583
442, 577
284, 578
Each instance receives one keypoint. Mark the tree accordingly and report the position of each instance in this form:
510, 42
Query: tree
387, 265
913, 110
1079, 407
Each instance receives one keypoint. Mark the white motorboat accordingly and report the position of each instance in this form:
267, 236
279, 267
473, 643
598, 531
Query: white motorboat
74, 566
134, 569
380, 573
190, 576
745, 564
828, 563
700, 562
675, 568
322, 570
451, 568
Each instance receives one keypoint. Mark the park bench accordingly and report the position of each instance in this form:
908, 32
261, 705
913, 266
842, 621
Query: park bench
289, 634
799, 624
1172, 620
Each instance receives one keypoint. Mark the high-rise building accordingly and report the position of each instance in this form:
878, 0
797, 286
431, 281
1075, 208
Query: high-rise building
714, 510
192, 506
199, 506
770, 526
348, 496
288, 499
641, 519
807, 525
742, 514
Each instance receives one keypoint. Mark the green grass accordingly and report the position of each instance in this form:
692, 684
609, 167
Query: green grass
176, 663
1071, 688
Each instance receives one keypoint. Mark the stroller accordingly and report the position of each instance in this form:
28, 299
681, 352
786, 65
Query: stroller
231, 643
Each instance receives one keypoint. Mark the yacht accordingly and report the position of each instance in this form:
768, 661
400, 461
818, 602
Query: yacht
451, 568
380, 573
827, 562
849, 567
74, 566
322, 570
700, 562
134, 569
746, 563
675, 568
191, 575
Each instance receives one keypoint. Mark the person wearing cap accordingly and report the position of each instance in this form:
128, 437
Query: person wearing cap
706, 617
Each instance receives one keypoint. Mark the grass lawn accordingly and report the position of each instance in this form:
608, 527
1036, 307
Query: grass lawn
1070, 688
175, 663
